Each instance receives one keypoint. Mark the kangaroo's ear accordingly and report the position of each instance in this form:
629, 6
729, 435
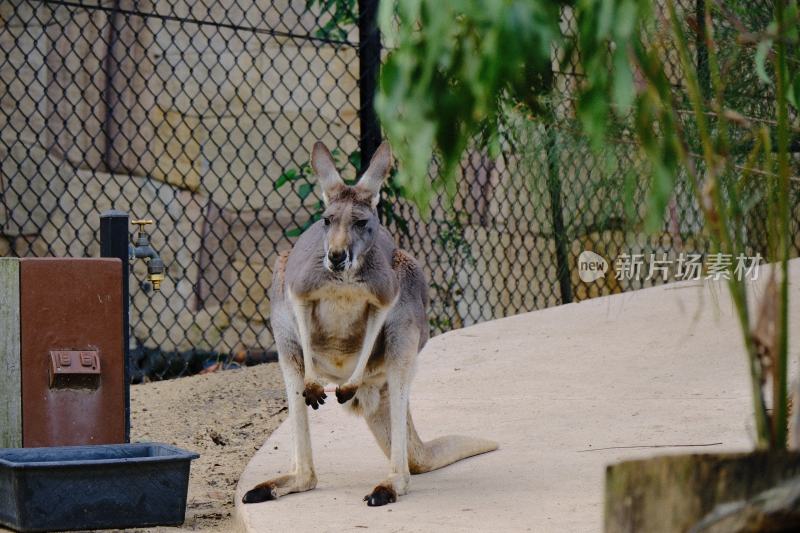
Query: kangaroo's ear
325, 170
378, 168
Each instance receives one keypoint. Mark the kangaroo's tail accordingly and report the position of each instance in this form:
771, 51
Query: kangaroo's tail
424, 456
437, 453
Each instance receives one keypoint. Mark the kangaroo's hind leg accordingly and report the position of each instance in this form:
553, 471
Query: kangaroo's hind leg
400, 357
303, 477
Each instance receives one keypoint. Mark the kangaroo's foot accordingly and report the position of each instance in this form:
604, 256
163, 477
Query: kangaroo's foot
345, 392
388, 491
314, 393
381, 495
279, 486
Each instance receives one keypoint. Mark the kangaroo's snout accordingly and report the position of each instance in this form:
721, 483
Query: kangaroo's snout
337, 260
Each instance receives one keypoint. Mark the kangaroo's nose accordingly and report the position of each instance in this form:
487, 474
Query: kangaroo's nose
337, 259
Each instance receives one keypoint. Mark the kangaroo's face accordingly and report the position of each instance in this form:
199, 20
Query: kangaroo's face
350, 229
350, 218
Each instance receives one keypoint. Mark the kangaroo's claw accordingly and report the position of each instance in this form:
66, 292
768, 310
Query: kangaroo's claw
345, 392
314, 394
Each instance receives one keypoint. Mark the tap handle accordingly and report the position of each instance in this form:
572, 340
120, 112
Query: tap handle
142, 222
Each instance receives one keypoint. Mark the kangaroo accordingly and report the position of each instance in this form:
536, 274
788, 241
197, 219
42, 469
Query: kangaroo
349, 307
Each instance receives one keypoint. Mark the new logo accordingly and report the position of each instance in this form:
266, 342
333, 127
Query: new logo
591, 266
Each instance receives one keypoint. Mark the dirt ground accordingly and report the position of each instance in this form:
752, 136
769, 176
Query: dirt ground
225, 417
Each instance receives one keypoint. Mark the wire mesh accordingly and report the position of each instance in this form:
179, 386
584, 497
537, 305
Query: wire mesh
201, 115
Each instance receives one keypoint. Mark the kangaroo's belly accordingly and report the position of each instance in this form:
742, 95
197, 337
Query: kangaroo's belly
338, 325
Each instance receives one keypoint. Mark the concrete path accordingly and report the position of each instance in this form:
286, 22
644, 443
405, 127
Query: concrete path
565, 391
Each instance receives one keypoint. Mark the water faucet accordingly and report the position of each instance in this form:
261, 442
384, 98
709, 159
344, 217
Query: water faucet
141, 249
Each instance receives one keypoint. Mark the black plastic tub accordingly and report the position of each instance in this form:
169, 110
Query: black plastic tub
93, 487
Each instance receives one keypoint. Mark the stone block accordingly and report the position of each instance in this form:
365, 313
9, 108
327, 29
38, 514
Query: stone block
76, 81
244, 157
243, 335
249, 290
236, 255
282, 15
31, 184
205, 333
302, 78
131, 95
207, 82
23, 76
176, 148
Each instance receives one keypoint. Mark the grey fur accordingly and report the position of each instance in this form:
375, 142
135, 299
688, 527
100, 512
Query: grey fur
360, 327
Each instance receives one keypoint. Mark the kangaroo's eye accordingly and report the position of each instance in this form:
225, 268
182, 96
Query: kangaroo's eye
362, 223
326, 221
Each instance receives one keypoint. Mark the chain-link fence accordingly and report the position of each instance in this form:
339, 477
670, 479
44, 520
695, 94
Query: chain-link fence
200, 115
511, 241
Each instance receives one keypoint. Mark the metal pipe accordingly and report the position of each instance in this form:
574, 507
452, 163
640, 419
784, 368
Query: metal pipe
114, 243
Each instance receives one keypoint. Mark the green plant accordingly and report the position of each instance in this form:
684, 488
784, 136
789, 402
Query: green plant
458, 255
719, 178
301, 176
691, 129
456, 56
341, 16
459, 62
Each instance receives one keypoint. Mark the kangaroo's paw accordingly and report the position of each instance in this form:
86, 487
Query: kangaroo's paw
279, 486
381, 495
345, 392
261, 493
314, 394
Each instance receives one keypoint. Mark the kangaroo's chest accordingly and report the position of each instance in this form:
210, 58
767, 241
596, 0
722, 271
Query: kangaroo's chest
338, 323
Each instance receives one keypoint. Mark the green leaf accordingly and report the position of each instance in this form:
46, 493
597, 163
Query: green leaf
791, 15
304, 190
284, 178
625, 21
605, 18
355, 159
294, 232
623, 87
762, 50
793, 94
593, 113
660, 193
760, 60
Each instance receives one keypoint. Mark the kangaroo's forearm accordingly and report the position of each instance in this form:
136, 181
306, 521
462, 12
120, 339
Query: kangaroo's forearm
375, 320
302, 313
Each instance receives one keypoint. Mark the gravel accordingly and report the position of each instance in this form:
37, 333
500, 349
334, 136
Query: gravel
225, 417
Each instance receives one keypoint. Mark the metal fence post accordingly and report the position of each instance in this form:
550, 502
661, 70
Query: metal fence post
110, 67
702, 50
369, 64
114, 243
559, 233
